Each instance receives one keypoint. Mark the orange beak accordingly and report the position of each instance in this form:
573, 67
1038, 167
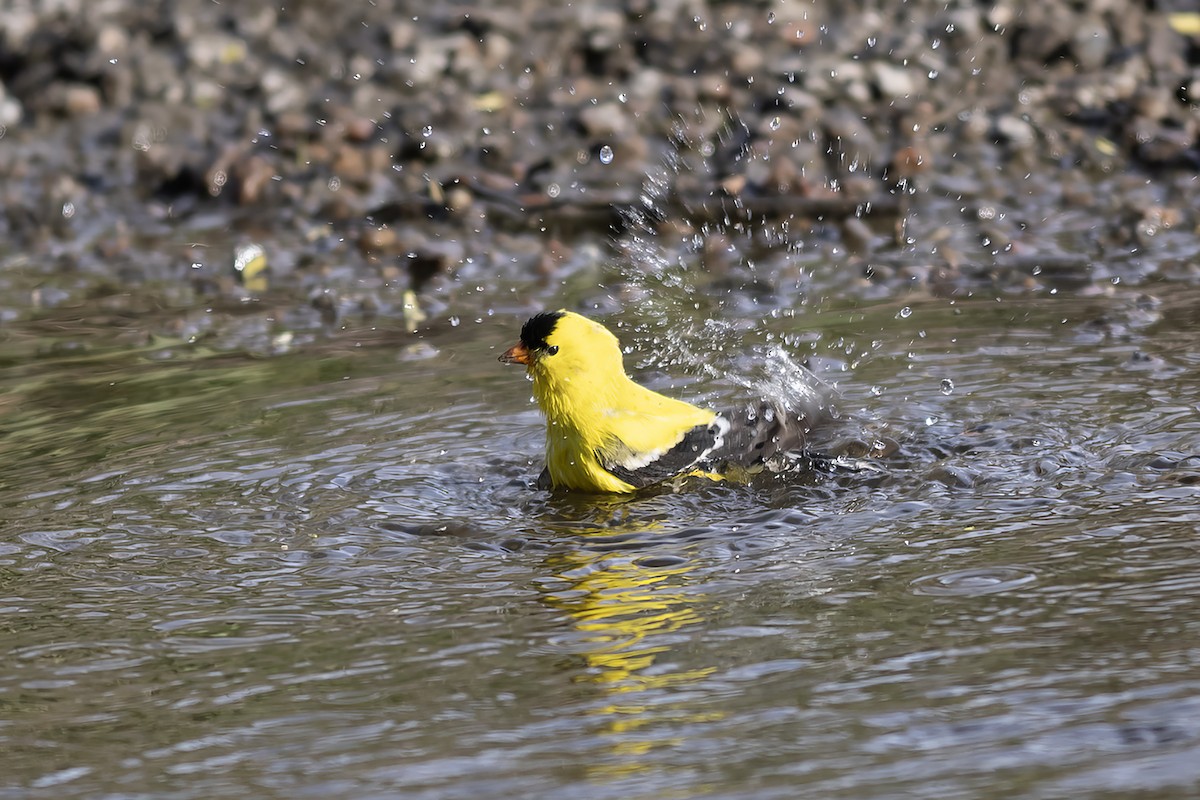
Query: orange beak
517, 354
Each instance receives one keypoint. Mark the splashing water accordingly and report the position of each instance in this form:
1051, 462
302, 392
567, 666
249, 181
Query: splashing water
675, 335
786, 384
645, 267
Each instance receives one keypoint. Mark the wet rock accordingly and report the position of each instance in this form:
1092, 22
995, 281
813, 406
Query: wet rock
377, 240
254, 176
910, 161
1164, 145
857, 235
747, 59
10, 109
605, 120
1165, 49
350, 165
1042, 32
75, 100
893, 81
359, 129
459, 199
850, 141
325, 302
283, 93
1091, 43
1015, 131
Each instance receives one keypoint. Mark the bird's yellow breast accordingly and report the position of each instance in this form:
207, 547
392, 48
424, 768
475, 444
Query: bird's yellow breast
573, 463
579, 425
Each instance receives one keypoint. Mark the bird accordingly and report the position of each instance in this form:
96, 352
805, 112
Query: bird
605, 433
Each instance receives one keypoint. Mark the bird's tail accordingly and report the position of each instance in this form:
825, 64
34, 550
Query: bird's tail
852, 455
821, 462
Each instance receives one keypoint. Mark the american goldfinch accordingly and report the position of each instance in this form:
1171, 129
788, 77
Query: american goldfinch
605, 433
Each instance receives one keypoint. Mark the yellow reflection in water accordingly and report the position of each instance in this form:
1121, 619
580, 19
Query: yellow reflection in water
635, 619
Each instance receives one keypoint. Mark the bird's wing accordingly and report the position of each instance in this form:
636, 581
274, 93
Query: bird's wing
756, 433
643, 468
746, 437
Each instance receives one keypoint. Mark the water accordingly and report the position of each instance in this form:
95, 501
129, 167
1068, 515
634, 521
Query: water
325, 574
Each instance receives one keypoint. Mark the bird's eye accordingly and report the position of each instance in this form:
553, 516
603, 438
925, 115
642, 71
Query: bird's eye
552, 349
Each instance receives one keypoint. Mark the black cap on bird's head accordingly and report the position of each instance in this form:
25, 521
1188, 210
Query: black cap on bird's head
537, 328
534, 333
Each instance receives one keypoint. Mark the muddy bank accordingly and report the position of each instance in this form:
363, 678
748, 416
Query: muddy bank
373, 149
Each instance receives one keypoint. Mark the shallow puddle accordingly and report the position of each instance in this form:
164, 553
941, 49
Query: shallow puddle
325, 572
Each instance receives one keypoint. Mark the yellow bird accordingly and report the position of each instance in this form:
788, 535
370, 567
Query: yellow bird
605, 433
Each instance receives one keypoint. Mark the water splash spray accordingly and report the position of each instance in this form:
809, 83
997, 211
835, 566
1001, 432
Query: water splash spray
698, 344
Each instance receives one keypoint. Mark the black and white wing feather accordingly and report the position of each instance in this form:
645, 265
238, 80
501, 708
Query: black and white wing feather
746, 437
693, 451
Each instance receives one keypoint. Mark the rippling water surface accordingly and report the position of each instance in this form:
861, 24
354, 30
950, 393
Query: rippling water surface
325, 574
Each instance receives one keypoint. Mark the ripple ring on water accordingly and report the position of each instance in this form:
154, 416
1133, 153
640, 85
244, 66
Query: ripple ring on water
972, 582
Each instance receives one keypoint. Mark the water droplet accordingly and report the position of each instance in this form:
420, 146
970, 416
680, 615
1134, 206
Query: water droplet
427, 131
905, 313
606, 155
250, 261
455, 322
553, 190
68, 210
876, 391
947, 386
775, 123
771, 18
930, 421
